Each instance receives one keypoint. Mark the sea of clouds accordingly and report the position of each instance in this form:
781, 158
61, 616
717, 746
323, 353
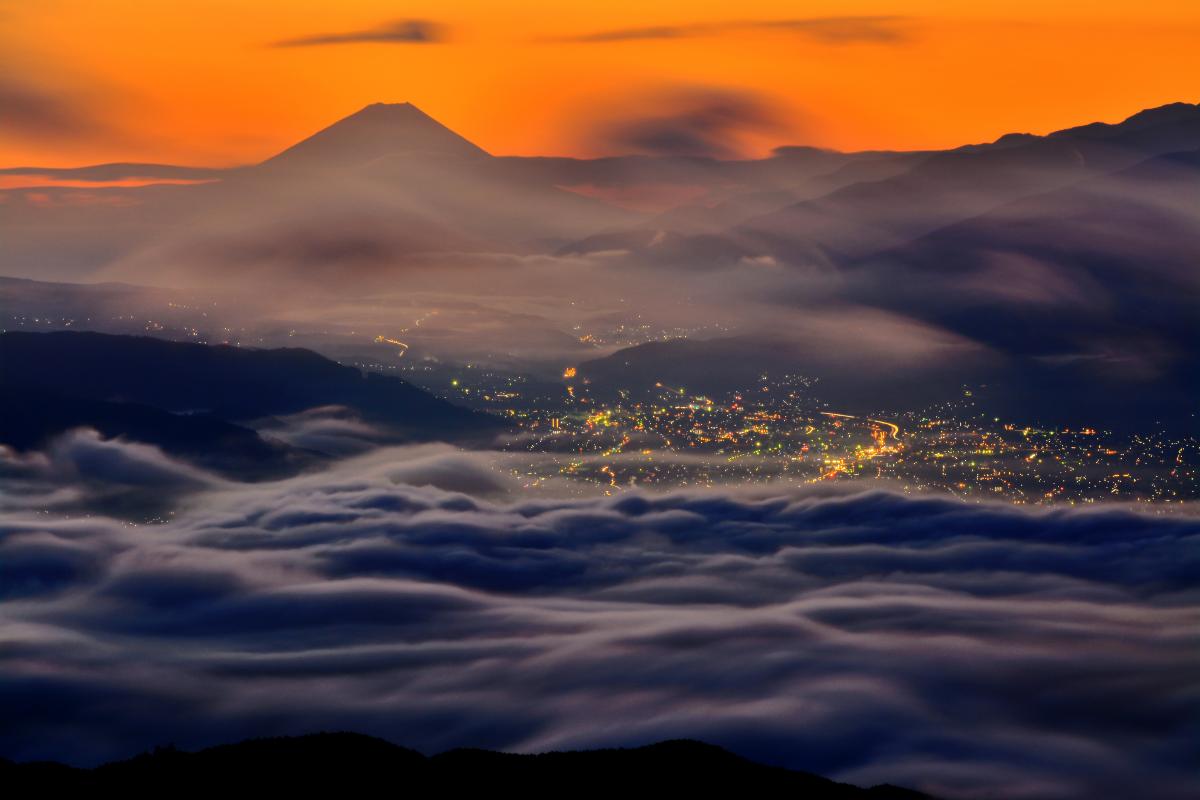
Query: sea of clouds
417, 593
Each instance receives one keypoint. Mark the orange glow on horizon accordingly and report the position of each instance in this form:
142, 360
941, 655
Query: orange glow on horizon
194, 82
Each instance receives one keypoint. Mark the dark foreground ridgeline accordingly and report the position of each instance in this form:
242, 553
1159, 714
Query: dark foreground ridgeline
188, 397
353, 765
231, 383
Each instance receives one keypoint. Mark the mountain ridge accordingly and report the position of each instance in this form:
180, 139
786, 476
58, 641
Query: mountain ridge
350, 762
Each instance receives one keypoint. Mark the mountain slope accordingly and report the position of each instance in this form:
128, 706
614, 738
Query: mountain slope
368, 197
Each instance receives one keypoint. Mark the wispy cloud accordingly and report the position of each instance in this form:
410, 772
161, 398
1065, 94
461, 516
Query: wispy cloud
405, 31
700, 122
829, 30
34, 112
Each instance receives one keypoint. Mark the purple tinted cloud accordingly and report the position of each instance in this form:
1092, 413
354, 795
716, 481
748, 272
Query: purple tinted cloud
962, 649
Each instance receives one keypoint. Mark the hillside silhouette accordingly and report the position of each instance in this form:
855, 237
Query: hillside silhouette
348, 765
187, 397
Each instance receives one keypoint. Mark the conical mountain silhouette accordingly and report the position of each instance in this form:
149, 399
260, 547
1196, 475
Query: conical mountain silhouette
379, 130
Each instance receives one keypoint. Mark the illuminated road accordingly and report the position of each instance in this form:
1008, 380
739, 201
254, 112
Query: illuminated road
895, 429
397, 342
404, 347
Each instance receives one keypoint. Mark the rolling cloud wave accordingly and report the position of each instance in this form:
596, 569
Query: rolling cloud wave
968, 650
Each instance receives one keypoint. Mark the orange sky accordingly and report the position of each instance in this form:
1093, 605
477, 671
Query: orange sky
195, 81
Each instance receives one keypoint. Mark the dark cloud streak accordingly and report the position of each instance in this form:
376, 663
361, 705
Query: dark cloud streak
407, 31
696, 122
826, 30
35, 112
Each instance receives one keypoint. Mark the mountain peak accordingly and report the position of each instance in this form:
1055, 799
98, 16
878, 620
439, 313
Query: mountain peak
376, 131
1172, 114
386, 110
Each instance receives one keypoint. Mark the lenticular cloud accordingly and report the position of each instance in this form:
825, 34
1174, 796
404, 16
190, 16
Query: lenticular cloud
968, 650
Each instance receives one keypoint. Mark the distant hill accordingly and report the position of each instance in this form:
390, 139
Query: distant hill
352, 765
717, 367
1029, 389
31, 417
185, 395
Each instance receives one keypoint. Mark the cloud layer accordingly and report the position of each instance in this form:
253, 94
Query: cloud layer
409, 593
